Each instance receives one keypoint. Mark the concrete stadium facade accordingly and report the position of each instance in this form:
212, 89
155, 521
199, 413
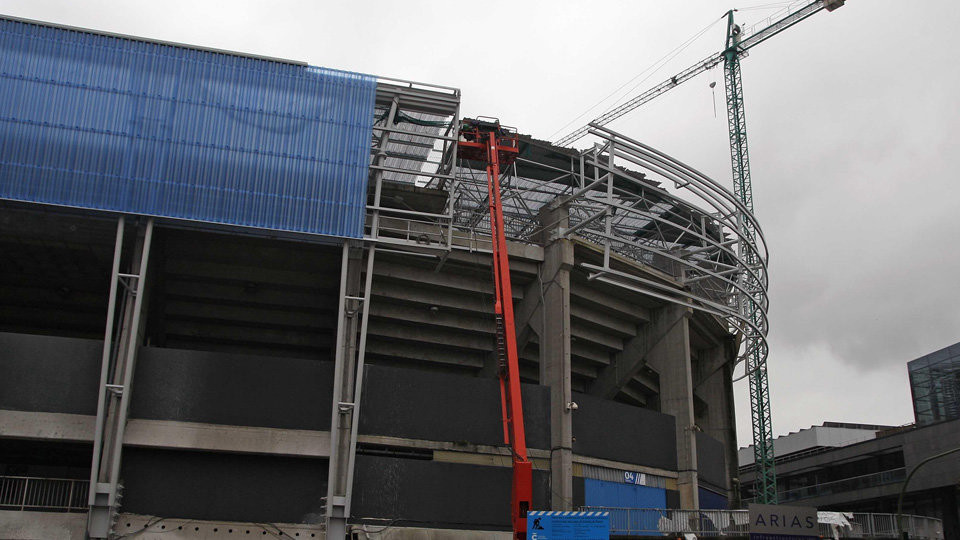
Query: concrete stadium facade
258, 381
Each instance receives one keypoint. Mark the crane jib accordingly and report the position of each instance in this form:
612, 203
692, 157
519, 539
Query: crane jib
748, 40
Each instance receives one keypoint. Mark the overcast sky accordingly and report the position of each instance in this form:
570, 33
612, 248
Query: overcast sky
852, 119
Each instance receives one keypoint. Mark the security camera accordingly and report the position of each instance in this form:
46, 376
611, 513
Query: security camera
572, 406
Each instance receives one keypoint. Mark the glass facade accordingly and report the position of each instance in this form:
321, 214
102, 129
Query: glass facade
935, 385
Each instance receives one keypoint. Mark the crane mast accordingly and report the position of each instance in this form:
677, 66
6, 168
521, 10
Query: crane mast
486, 141
750, 302
750, 306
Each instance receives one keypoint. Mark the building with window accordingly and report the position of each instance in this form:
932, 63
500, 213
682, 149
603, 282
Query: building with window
861, 468
935, 385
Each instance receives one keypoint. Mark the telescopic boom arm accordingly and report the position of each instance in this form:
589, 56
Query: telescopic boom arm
486, 141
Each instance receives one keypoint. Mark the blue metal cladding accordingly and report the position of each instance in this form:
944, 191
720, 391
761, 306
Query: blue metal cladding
112, 123
620, 495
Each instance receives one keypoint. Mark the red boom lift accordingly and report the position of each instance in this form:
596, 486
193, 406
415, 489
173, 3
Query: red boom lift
486, 141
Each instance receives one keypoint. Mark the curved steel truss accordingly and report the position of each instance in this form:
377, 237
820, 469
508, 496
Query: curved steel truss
632, 202
691, 232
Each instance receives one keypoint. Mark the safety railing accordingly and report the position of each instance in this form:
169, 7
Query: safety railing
716, 523
844, 486
44, 494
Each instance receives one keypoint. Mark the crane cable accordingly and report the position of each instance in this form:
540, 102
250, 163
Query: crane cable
655, 67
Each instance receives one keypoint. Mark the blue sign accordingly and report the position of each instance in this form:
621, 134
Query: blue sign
568, 525
635, 478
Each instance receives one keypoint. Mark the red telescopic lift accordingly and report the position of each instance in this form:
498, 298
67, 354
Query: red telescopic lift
485, 140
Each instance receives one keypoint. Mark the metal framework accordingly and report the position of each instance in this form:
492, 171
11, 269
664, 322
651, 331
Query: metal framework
630, 203
416, 124
120, 345
698, 235
691, 234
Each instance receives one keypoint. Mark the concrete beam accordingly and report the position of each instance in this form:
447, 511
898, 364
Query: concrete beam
17, 525
446, 280
220, 438
597, 357
596, 338
169, 434
586, 294
447, 337
46, 426
519, 263
420, 352
704, 330
254, 440
440, 317
528, 314
627, 363
423, 295
636, 396
584, 316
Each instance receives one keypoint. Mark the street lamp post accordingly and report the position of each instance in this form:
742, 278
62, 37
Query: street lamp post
904, 534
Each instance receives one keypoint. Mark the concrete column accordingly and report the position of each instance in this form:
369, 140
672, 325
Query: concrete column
555, 353
671, 358
715, 386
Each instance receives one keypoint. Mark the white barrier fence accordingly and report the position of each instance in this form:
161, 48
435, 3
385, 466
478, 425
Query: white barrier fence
706, 523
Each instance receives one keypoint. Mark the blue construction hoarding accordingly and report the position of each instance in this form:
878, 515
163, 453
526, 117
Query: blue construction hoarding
112, 123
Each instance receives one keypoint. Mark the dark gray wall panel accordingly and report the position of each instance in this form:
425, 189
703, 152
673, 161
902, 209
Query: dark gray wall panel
228, 487
931, 440
673, 498
611, 430
236, 389
442, 407
579, 494
49, 374
711, 466
448, 495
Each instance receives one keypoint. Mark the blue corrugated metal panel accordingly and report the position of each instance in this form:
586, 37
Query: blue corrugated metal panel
109, 123
620, 495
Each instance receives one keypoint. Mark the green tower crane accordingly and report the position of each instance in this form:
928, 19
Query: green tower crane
750, 303
754, 353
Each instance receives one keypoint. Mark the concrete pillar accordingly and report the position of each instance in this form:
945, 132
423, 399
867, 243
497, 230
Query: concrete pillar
715, 387
671, 359
555, 353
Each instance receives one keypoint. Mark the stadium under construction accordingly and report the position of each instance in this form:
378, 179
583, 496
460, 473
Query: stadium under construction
244, 295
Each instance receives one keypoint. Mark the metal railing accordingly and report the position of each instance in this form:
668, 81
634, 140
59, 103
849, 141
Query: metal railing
45, 494
707, 523
845, 485
885, 526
